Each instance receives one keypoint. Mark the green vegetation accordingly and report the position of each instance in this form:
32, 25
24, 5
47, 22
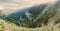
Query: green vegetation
48, 21
2, 30
12, 19
22, 30
15, 30
52, 13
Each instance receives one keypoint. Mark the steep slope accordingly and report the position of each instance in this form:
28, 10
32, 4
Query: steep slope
49, 14
7, 26
36, 16
15, 17
47, 19
43, 16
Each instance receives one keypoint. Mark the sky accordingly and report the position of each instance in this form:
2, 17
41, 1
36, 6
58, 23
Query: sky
17, 4
14, 1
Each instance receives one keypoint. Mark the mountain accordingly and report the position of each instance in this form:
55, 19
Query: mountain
35, 16
8, 26
21, 12
15, 15
49, 15
49, 20
42, 15
45, 17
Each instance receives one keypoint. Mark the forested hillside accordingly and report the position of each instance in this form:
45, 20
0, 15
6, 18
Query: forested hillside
45, 17
36, 16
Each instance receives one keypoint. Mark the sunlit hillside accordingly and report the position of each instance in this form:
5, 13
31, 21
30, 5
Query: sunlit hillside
7, 26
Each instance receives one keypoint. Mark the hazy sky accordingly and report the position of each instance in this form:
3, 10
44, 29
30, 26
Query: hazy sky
21, 3
14, 1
